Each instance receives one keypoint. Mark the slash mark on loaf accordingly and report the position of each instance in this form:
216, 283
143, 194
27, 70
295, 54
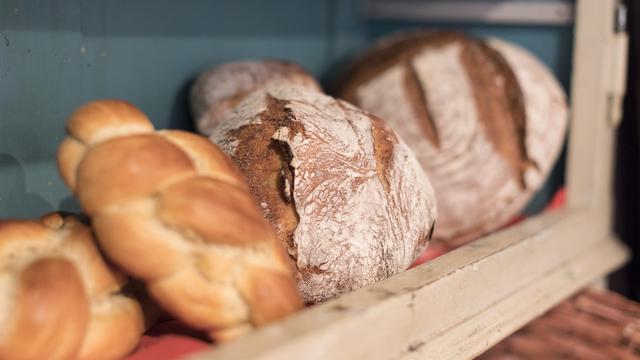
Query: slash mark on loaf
500, 103
383, 144
418, 100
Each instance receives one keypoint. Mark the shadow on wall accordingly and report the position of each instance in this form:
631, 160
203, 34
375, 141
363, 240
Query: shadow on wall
14, 198
180, 113
70, 204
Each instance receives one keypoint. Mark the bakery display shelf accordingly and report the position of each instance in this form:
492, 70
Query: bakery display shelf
460, 304
545, 12
451, 308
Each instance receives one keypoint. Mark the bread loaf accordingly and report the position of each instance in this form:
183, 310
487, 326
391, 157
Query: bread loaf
59, 298
216, 92
345, 194
485, 118
172, 210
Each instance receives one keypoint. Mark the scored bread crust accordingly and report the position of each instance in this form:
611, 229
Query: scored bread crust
60, 299
485, 118
217, 91
344, 193
171, 209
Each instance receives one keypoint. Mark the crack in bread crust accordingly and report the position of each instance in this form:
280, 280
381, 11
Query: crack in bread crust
359, 193
270, 161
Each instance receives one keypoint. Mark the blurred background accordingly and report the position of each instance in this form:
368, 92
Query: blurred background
58, 54
55, 55
627, 176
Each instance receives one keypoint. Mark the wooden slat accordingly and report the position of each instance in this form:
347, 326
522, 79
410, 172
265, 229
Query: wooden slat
450, 308
478, 333
546, 12
599, 67
589, 167
463, 302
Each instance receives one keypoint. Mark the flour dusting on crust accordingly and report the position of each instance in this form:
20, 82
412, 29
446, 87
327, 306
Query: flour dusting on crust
475, 190
217, 91
351, 231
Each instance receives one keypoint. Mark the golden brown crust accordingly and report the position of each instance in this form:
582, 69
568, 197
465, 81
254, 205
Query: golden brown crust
73, 152
108, 118
167, 256
191, 203
51, 313
129, 168
207, 159
61, 300
256, 290
171, 209
115, 327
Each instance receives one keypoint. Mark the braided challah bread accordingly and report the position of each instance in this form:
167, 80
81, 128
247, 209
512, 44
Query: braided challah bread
172, 210
216, 92
60, 300
484, 117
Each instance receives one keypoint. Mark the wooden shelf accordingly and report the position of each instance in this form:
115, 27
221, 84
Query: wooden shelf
545, 12
460, 304
453, 307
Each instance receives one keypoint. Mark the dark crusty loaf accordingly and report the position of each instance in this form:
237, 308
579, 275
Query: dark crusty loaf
59, 299
171, 209
343, 191
217, 91
485, 119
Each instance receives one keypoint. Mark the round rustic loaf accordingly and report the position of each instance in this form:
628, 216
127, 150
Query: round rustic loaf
59, 298
171, 209
345, 194
486, 120
217, 91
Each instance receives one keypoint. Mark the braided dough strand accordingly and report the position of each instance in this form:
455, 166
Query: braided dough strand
172, 210
61, 300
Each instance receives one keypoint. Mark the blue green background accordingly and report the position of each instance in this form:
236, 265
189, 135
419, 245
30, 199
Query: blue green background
56, 55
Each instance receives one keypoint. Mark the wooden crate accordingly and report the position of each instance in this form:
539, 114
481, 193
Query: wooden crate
460, 304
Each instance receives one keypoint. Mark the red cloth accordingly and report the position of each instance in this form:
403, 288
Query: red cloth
435, 250
173, 340
169, 340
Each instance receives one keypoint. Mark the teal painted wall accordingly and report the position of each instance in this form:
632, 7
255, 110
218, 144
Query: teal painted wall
56, 55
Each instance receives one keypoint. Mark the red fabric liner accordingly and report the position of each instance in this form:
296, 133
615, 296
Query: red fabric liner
174, 340
435, 250
169, 339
